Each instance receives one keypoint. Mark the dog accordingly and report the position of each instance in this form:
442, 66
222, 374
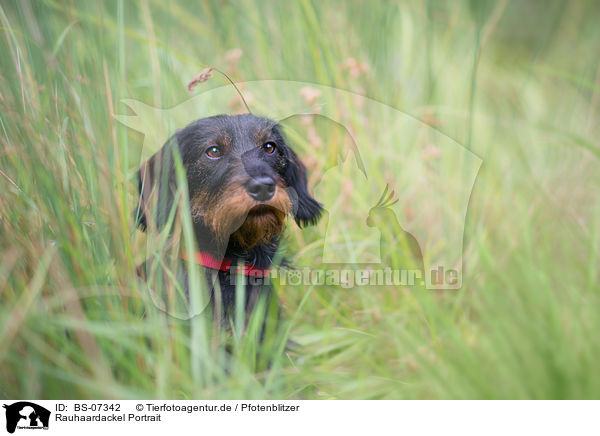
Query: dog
243, 180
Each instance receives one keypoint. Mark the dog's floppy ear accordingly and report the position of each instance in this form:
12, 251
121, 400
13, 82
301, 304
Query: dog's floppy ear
305, 208
157, 187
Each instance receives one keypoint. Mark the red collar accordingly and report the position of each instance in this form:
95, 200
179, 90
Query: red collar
209, 261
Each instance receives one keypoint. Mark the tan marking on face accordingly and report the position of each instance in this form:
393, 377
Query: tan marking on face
239, 216
225, 140
262, 136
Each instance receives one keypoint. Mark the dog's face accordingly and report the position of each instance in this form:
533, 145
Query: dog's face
242, 177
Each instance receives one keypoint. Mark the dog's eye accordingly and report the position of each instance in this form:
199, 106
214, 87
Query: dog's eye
214, 152
269, 147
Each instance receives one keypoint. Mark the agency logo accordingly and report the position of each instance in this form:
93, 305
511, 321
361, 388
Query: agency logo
26, 415
394, 188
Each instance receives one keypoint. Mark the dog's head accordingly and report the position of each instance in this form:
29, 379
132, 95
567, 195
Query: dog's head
243, 179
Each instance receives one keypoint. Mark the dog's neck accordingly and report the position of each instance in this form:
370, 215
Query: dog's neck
260, 256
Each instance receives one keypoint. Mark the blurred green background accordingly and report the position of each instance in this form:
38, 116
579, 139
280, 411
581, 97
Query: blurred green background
515, 82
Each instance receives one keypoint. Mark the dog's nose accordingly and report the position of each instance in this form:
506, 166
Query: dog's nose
261, 188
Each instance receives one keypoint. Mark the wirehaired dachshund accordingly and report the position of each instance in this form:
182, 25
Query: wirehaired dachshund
243, 180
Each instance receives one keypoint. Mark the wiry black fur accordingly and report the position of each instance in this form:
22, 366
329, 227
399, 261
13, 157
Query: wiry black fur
243, 136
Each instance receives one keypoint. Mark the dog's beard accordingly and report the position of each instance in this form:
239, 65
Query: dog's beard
239, 218
262, 224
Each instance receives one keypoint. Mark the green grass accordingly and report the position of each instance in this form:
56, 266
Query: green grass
517, 83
